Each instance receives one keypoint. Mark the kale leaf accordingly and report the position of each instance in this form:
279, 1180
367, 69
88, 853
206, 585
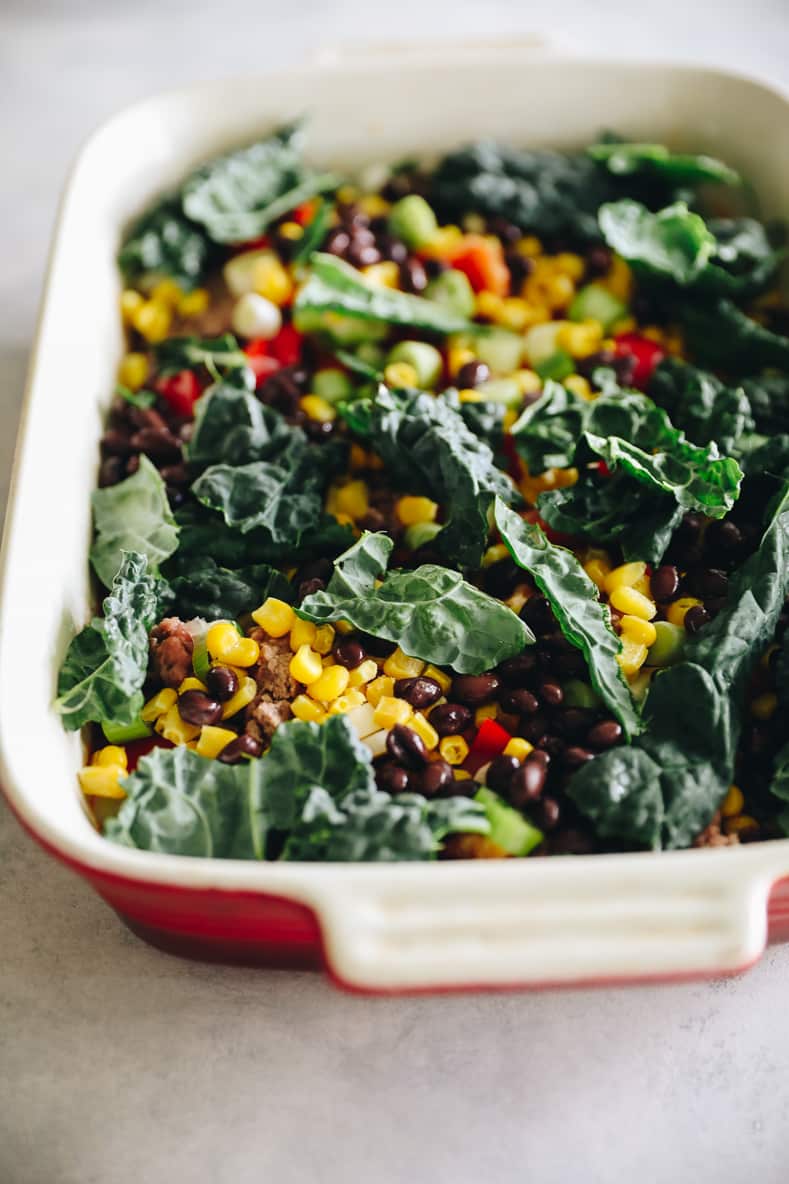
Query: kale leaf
431, 612
202, 588
102, 674
583, 619
232, 427
204, 532
680, 168
701, 405
163, 244
132, 516
674, 243
220, 356
722, 336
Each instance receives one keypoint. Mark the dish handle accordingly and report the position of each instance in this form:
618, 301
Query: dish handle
546, 922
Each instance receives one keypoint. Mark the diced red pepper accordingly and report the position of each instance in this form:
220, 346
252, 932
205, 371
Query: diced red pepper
287, 345
482, 261
553, 536
260, 362
491, 740
253, 244
602, 468
181, 391
137, 749
304, 213
514, 467
646, 353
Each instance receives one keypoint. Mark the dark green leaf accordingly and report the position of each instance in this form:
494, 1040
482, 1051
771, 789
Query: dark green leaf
674, 243
132, 516
723, 337
701, 405
680, 168
201, 588
105, 665
314, 233
431, 612
221, 356
204, 532
233, 427
141, 399
163, 244
584, 621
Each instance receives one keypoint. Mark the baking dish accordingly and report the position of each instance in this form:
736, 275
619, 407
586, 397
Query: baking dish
375, 927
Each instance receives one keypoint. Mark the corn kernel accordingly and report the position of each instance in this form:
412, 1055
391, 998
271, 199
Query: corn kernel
413, 510
461, 775
391, 711
740, 823
133, 371
194, 304
570, 264
331, 683
519, 748
634, 603
678, 609
494, 554
619, 279
353, 499
347, 194
632, 657
362, 720
162, 701
212, 740
516, 314
244, 653
270, 279
529, 245
469, 396
174, 728
305, 665
579, 386
401, 374
357, 458
624, 576
291, 231
111, 754
324, 639
166, 292
509, 420
580, 340
639, 630
399, 665
559, 291
489, 305
457, 357
424, 729
244, 695
442, 242
102, 781
453, 749
347, 702
487, 711
374, 205
314, 407
518, 598
275, 617
597, 570
221, 639
733, 803
364, 673
131, 301
529, 381
444, 680
764, 706
153, 321
191, 684
382, 275
379, 688
307, 709
302, 633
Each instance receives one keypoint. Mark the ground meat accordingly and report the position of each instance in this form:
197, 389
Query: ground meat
713, 836
272, 674
264, 717
216, 318
171, 647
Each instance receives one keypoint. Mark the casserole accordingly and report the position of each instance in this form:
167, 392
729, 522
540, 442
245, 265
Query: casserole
412, 927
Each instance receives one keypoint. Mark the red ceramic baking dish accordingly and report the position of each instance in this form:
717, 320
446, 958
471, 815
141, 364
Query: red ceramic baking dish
375, 927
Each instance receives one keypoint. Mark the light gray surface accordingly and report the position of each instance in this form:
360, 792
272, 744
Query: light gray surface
119, 1064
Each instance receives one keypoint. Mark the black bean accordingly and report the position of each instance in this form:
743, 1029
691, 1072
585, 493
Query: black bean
307, 587
713, 583
696, 617
553, 744
420, 691
116, 443
551, 693
538, 615
576, 756
534, 728
435, 267
602, 359
520, 701
471, 374
160, 445
508, 232
406, 747
132, 465
175, 475
198, 708
515, 672
548, 814
528, 781
338, 241
222, 683
363, 255
520, 268
413, 277
500, 774
320, 429
392, 778
465, 788
598, 260
243, 746
450, 718
664, 582
348, 652
475, 689
111, 471
501, 578
392, 248
605, 734
572, 842
725, 537
573, 721
433, 778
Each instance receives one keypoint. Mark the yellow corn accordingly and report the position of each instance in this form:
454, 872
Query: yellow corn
634, 603
352, 698
739, 823
102, 781
597, 570
302, 633
624, 576
291, 231
733, 803
424, 729
173, 728
391, 711
152, 321
270, 279
307, 709
619, 279
580, 340
579, 386
529, 381
133, 371
221, 639
162, 701
212, 740
323, 640
275, 617
558, 291
519, 748
639, 630
353, 499
457, 357
494, 554
245, 653
166, 292
518, 598
401, 374
442, 242
332, 683
347, 194
462, 775
243, 696
365, 672
489, 305
305, 665
632, 656
414, 510
383, 275
131, 301
487, 711
111, 754
315, 407
764, 706
379, 688
678, 609
194, 304
470, 396
453, 749
191, 684
570, 264
374, 205
399, 665
439, 676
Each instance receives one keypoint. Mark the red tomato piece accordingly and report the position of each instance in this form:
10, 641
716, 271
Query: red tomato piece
286, 346
647, 354
181, 391
304, 213
483, 263
491, 740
